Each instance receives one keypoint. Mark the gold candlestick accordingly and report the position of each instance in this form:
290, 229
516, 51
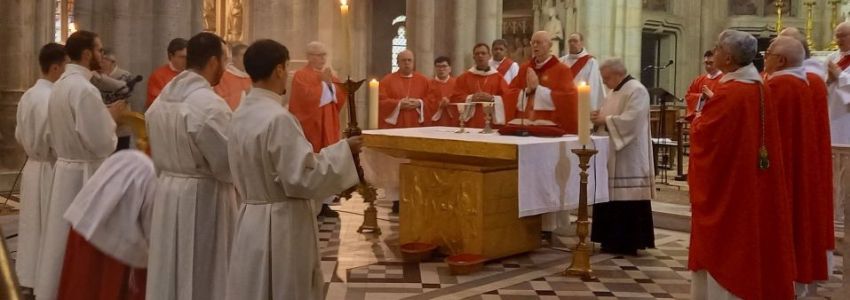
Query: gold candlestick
580, 265
370, 214
810, 23
833, 46
779, 5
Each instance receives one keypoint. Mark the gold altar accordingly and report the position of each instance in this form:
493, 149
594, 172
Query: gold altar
460, 195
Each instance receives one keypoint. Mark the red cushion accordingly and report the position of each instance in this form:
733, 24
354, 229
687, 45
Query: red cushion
538, 131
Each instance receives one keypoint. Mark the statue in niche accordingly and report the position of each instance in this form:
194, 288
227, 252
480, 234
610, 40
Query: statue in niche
234, 33
742, 7
209, 15
556, 29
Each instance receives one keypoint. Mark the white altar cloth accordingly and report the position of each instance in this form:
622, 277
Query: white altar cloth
548, 172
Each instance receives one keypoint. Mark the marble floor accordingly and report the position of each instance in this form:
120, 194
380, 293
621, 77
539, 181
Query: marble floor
364, 266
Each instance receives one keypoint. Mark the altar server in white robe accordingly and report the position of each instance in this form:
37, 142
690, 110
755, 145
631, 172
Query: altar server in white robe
275, 250
82, 132
195, 205
37, 179
585, 68
838, 82
624, 225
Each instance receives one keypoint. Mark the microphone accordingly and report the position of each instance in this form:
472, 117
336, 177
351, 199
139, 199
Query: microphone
653, 67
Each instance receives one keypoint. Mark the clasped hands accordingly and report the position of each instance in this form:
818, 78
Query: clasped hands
410, 103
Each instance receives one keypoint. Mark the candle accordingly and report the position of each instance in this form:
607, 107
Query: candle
583, 113
343, 7
373, 104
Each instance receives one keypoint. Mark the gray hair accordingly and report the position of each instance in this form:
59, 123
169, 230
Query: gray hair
614, 64
316, 46
741, 46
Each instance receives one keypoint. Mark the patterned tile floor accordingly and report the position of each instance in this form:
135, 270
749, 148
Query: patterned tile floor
362, 266
359, 266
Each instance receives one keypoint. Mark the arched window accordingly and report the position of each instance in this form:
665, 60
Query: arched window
64, 20
399, 41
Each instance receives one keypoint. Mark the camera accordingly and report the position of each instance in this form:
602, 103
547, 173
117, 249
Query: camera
112, 89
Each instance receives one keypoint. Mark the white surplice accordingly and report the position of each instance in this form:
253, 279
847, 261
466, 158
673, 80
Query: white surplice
195, 204
839, 104
82, 133
589, 74
113, 210
275, 250
37, 178
630, 169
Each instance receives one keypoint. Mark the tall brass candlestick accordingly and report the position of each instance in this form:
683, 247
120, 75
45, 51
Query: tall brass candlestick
779, 5
833, 46
810, 5
370, 214
580, 265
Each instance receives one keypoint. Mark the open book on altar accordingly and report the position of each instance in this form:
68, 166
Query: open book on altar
529, 122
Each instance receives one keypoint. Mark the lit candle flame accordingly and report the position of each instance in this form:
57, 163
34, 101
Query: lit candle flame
583, 83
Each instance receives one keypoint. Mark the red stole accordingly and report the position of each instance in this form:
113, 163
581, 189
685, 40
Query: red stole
504, 66
844, 62
576, 67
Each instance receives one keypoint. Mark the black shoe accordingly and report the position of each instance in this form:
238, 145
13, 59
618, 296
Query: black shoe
395, 207
327, 212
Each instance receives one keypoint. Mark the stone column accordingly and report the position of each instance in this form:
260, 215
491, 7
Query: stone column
19, 56
841, 184
463, 35
420, 21
488, 19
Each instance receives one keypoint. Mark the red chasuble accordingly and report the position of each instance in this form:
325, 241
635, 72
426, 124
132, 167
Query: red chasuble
823, 159
558, 78
395, 87
320, 124
158, 79
232, 86
89, 274
471, 82
741, 218
799, 137
448, 115
695, 90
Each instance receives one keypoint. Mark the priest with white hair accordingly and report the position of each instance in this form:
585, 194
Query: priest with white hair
838, 80
741, 237
624, 225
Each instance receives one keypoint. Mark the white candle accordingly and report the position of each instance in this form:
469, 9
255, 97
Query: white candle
373, 104
583, 113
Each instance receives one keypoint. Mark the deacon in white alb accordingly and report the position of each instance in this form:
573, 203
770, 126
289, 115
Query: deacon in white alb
37, 179
275, 249
82, 132
195, 207
584, 68
838, 81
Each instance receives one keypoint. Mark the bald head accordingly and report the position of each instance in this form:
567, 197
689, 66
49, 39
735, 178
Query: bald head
783, 53
405, 61
317, 55
842, 36
794, 33
541, 43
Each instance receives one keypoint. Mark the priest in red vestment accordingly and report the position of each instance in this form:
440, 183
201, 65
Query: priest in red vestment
402, 95
708, 80
162, 75
741, 236
442, 85
107, 253
545, 89
789, 86
317, 101
502, 63
482, 83
234, 83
